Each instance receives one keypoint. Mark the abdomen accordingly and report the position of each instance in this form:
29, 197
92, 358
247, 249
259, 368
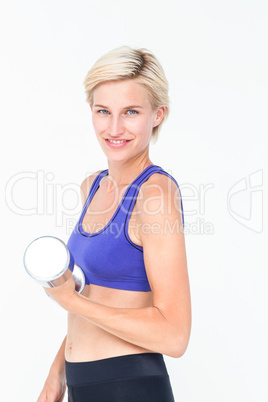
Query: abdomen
87, 342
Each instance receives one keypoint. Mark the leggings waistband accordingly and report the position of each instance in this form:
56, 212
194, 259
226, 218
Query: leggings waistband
119, 367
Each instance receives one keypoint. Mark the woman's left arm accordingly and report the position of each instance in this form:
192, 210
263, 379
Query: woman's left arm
164, 327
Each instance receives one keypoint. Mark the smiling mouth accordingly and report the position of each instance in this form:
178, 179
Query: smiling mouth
117, 141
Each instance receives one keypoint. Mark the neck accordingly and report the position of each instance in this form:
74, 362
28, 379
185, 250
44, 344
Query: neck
122, 173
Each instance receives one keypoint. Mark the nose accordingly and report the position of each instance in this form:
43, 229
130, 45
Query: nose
116, 127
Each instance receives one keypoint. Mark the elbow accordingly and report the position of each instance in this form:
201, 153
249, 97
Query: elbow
175, 336
176, 351
176, 345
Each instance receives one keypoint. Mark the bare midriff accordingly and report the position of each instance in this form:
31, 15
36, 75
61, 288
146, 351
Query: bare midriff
87, 342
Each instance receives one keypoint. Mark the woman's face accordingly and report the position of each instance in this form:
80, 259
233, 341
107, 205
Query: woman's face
123, 119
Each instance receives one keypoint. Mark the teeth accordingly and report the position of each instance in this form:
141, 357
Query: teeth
116, 142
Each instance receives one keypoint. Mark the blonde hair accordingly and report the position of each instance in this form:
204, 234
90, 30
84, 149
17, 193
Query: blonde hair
129, 63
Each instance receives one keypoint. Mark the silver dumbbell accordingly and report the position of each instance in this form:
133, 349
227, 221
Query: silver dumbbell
48, 260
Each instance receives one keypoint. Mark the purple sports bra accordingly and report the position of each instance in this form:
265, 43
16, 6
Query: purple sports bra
108, 257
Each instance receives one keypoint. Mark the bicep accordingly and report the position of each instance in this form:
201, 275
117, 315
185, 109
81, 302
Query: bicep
166, 262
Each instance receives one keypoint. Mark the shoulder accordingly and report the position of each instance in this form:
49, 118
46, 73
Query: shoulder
87, 183
159, 203
159, 211
159, 192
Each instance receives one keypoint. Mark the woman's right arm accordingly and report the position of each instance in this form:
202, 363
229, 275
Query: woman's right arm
55, 385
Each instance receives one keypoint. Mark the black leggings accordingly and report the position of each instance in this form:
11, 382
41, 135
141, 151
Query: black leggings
139, 377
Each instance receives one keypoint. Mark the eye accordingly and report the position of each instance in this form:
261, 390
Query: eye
102, 111
131, 112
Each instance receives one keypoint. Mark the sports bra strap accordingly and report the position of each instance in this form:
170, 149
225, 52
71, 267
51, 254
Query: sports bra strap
130, 196
131, 190
93, 189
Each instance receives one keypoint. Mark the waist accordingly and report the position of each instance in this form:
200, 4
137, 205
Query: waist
119, 367
88, 342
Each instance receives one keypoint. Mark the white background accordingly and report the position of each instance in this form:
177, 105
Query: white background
214, 142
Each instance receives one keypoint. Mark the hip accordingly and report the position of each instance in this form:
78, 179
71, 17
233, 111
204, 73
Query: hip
134, 377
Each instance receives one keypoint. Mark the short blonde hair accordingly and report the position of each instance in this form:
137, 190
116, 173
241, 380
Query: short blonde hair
129, 63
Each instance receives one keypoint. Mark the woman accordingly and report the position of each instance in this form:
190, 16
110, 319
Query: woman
130, 244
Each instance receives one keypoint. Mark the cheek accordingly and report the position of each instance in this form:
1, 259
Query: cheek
146, 126
98, 124
143, 125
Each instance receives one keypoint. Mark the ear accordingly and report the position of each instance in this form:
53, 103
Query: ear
160, 113
91, 107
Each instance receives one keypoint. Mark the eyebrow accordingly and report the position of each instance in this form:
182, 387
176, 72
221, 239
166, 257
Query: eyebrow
127, 107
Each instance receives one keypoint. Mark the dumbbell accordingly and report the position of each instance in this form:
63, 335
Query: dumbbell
48, 261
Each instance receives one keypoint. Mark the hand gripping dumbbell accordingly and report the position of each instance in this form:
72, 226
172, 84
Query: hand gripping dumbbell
48, 260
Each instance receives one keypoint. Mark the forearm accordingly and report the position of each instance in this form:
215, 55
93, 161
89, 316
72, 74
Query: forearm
55, 385
58, 365
145, 327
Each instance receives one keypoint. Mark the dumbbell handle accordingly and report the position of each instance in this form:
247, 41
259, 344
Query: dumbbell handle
77, 276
